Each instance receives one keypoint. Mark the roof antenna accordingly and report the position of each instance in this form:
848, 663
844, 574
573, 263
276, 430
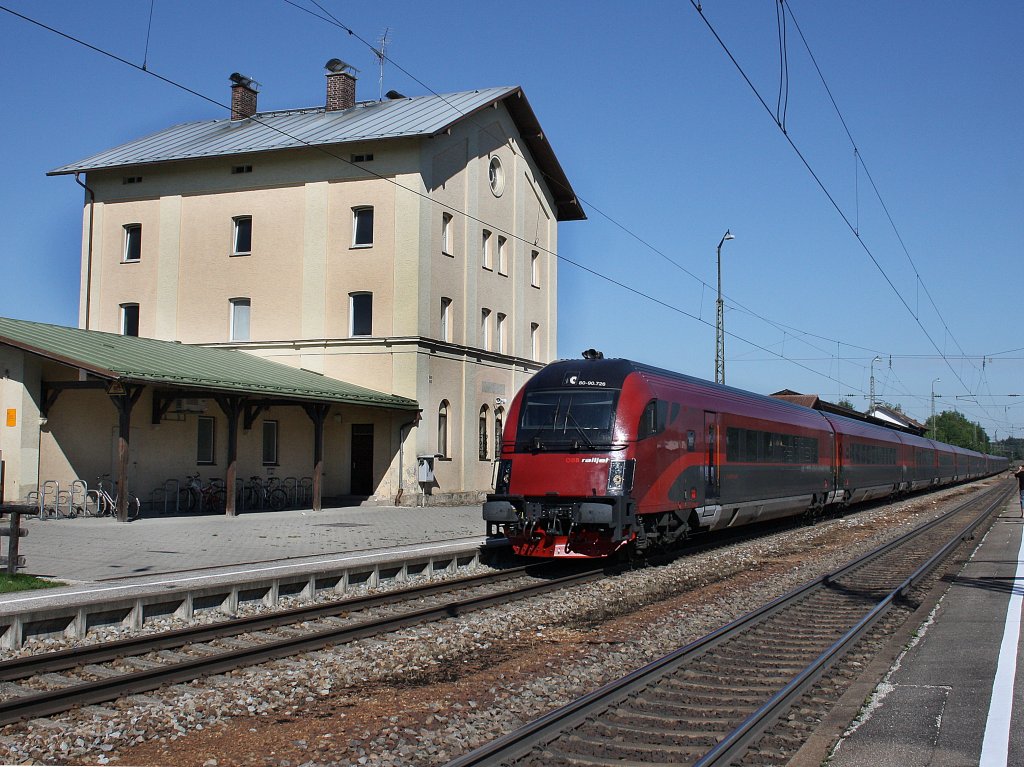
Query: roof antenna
381, 54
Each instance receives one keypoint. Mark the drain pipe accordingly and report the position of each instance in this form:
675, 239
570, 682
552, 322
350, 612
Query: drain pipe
88, 258
401, 452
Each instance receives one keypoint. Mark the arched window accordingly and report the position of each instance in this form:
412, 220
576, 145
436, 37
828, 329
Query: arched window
484, 425
442, 429
499, 417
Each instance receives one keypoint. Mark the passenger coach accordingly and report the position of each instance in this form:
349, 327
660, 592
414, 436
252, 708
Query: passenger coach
603, 454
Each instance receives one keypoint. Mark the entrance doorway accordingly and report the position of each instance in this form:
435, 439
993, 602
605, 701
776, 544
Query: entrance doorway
362, 459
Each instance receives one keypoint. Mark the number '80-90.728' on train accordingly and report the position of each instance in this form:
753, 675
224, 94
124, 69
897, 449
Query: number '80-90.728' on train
601, 455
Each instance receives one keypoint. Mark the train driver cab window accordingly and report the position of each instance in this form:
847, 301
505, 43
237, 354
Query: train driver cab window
652, 421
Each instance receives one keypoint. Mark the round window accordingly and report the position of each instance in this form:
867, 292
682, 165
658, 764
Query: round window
496, 176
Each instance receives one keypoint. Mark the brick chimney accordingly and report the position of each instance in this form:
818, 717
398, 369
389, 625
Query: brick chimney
341, 85
243, 96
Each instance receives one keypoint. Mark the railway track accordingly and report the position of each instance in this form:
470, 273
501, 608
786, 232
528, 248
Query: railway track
50, 683
708, 703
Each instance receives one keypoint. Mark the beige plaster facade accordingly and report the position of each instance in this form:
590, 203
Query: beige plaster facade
460, 269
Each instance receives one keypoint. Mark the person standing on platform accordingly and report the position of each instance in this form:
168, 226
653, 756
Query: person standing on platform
1019, 474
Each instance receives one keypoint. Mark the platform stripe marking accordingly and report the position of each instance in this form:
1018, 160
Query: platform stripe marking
995, 749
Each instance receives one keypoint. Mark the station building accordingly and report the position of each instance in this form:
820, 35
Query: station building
397, 255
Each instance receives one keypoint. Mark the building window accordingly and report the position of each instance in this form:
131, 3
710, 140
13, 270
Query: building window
129, 319
486, 250
499, 417
535, 268
484, 425
362, 157
502, 255
485, 328
447, 235
499, 332
242, 240
235, 169
496, 177
360, 314
446, 319
442, 429
240, 311
270, 443
131, 180
204, 439
362, 227
534, 341
132, 242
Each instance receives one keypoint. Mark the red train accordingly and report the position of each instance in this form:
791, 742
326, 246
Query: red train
604, 454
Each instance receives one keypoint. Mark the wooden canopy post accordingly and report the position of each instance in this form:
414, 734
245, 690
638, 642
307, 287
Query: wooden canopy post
124, 399
317, 414
232, 407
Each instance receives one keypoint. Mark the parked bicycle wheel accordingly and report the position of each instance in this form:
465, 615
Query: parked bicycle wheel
216, 500
187, 500
134, 506
277, 499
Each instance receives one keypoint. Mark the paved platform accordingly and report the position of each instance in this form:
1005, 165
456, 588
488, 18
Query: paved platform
956, 696
102, 549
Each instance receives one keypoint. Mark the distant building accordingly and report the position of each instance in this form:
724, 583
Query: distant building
403, 246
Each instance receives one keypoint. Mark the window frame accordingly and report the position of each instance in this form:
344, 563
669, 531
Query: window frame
484, 425
535, 341
500, 333
237, 222
270, 428
499, 428
486, 256
447, 234
485, 328
534, 268
443, 429
352, 314
446, 319
132, 253
211, 421
357, 213
235, 313
502, 255
125, 318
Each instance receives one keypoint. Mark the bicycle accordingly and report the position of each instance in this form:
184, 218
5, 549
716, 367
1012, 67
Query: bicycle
101, 501
259, 495
196, 496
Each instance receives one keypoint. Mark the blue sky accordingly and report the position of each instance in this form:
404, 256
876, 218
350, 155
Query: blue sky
664, 142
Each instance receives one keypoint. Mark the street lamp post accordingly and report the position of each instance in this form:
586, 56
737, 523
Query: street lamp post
720, 318
934, 430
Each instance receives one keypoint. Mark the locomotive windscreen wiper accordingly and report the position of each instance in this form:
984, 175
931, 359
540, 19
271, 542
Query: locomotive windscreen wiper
569, 416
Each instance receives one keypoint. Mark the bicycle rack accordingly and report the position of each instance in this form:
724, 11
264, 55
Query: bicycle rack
51, 489
291, 488
306, 486
76, 497
169, 489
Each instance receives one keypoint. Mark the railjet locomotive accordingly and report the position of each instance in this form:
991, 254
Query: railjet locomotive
600, 455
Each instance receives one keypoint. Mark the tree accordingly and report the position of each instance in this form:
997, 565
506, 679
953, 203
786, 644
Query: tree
846, 403
953, 428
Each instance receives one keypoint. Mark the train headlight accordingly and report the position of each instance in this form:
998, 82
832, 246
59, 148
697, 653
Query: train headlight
620, 477
501, 484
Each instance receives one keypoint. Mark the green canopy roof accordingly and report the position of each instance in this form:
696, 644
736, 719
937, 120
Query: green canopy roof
130, 359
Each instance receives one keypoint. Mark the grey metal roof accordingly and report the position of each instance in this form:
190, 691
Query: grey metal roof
148, 360
367, 121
